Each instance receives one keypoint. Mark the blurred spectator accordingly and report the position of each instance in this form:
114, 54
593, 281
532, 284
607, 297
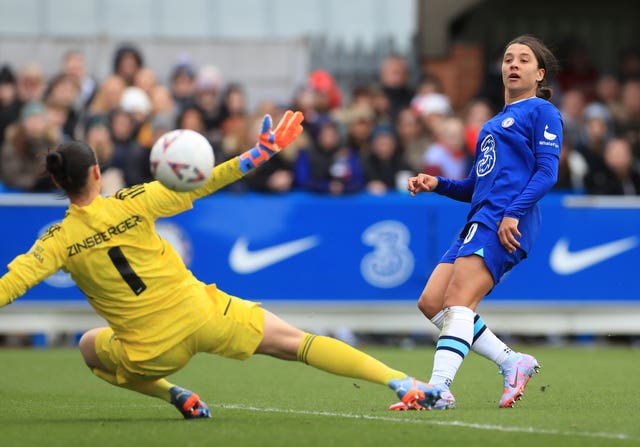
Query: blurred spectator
328, 94
137, 104
234, 105
629, 125
572, 169
319, 99
448, 156
572, 108
492, 88
359, 122
108, 96
163, 105
128, 155
74, 65
330, 167
396, 84
207, 98
619, 175
596, 133
9, 104
385, 168
236, 122
127, 60
608, 93
183, 84
433, 109
31, 83
427, 85
25, 147
382, 106
304, 101
192, 118
411, 138
57, 116
97, 136
145, 79
362, 96
578, 72
162, 124
629, 64
477, 113
64, 93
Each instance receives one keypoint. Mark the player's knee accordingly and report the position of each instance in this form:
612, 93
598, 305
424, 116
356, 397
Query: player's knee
87, 346
428, 307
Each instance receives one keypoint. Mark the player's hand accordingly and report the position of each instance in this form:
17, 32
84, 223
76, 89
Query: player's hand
421, 183
507, 233
288, 130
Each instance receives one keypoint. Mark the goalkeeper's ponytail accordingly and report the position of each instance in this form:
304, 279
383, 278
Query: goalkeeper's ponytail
68, 164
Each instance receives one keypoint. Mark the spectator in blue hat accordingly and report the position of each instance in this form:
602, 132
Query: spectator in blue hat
329, 166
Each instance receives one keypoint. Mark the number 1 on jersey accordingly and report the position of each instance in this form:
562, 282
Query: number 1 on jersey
124, 268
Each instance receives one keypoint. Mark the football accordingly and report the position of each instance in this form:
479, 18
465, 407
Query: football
182, 160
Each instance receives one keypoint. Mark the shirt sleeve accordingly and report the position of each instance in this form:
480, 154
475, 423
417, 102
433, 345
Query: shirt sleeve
461, 190
547, 134
46, 256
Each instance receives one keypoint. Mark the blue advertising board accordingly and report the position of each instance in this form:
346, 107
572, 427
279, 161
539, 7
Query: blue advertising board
362, 248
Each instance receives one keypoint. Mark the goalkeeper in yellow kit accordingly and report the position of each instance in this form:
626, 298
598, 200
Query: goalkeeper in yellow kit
159, 314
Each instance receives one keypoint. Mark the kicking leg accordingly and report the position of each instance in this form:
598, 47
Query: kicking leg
431, 303
469, 283
516, 368
286, 342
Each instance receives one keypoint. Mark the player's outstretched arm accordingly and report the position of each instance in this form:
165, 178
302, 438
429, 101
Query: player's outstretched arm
270, 142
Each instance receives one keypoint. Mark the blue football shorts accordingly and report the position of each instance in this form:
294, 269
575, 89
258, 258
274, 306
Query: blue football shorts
478, 239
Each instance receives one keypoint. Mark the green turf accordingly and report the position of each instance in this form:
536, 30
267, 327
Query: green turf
582, 397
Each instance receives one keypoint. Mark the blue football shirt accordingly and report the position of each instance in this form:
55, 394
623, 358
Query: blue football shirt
516, 164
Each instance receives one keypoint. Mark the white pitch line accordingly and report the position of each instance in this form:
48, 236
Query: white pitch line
489, 427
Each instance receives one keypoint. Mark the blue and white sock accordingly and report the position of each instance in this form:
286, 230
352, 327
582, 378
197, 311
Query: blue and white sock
484, 342
453, 345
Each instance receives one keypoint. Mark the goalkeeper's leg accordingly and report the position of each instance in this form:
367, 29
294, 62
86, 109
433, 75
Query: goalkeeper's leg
156, 388
286, 342
187, 402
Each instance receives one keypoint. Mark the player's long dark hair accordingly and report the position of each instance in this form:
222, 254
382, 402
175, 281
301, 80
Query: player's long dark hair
545, 58
69, 165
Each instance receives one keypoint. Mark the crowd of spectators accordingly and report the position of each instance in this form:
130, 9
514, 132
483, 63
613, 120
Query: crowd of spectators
372, 141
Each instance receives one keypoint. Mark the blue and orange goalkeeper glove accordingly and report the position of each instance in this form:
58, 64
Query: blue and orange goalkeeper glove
270, 142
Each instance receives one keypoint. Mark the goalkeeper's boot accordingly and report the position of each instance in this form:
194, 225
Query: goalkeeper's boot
188, 403
415, 394
516, 372
445, 402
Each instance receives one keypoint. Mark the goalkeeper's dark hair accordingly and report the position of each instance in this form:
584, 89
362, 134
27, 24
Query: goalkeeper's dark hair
546, 60
69, 163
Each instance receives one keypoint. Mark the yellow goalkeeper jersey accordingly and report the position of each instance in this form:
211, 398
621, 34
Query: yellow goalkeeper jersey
132, 277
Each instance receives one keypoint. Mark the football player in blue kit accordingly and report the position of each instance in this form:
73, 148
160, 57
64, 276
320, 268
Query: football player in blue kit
516, 164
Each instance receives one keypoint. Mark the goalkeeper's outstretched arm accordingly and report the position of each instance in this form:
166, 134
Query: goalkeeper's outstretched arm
269, 143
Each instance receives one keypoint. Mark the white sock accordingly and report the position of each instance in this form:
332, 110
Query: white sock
485, 342
453, 345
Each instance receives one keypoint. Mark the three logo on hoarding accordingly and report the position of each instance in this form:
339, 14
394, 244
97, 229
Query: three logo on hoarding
391, 262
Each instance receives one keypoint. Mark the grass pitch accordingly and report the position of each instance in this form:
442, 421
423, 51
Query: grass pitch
582, 397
